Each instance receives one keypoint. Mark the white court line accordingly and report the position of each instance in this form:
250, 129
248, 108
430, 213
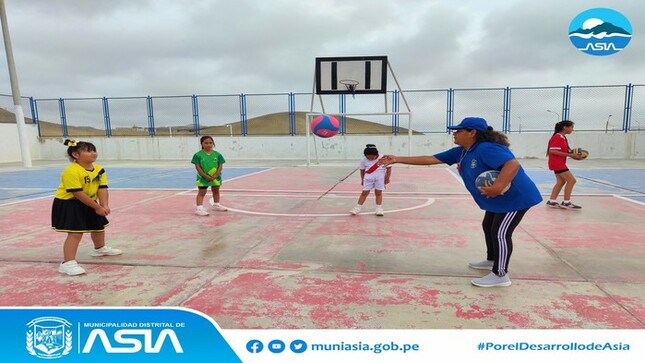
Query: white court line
42, 189
27, 200
316, 196
629, 200
227, 180
427, 203
250, 174
455, 174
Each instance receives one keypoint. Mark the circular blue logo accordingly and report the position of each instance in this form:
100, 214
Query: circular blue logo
254, 346
600, 31
276, 346
298, 346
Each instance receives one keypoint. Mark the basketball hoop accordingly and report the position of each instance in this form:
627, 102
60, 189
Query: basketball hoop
350, 84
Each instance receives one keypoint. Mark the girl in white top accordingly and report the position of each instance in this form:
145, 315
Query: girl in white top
373, 176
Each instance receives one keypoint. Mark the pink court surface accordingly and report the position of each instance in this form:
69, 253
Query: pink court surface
288, 255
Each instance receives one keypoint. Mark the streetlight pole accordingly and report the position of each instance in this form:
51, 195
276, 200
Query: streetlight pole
607, 124
15, 90
555, 113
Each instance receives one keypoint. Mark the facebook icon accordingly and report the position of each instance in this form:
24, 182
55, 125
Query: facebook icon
254, 346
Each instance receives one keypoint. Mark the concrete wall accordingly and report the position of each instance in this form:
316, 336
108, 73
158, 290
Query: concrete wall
10, 143
616, 145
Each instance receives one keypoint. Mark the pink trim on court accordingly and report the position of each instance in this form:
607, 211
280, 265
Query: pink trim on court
287, 254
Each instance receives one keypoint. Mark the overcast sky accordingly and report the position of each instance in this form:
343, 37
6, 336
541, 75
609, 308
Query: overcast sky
91, 48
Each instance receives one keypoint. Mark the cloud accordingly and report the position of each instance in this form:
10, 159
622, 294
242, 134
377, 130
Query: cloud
135, 48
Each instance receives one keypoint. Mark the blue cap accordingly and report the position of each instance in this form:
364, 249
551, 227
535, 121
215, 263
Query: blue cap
474, 123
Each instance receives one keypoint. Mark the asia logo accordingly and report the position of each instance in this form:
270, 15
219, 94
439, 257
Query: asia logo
130, 341
600, 31
49, 337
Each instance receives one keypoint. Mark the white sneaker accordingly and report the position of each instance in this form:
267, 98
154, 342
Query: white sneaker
71, 268
492, 280
218, 207
379, 211
481, 265
105, 251
201, 211
355, 210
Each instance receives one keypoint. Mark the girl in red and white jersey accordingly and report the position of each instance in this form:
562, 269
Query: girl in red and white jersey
373, 176
558, 151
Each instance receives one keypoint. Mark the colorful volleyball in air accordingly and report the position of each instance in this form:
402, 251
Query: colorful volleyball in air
324, 126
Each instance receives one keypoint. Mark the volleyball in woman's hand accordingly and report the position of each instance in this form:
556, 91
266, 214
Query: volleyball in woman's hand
487, 179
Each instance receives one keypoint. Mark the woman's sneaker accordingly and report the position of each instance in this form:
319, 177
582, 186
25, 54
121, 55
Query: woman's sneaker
71, 268
379, 211
555, 205
570, 205
492, 280
481, 265
355, 210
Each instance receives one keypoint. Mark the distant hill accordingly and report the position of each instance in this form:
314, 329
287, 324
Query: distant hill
10, 117
274, 124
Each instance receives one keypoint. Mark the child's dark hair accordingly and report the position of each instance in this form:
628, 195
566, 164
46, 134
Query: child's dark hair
204, 138
559, 126
370, 149
76, 146
492, 136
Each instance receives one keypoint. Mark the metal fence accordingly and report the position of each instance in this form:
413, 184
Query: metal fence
607, 108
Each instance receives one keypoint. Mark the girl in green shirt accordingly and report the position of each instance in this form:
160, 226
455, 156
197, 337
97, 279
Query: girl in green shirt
208, 164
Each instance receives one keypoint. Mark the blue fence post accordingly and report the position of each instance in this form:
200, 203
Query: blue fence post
506, 116
106, 117
151, 117
32, 108
627, 114
450, 110
63, 116
292, 113
34, 113
195, 102
243, 114
395, 108
566, 102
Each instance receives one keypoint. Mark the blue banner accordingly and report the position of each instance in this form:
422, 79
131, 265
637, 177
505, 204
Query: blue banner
97, 335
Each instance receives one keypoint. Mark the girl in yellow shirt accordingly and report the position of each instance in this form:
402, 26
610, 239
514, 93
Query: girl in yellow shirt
81, 204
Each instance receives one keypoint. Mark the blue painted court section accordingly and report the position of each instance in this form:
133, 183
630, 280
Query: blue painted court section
41, 182
627, 183
29, 184
596, 181
625, 179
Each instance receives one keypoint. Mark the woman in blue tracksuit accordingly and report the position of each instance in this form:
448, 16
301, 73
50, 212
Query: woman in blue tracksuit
480, 148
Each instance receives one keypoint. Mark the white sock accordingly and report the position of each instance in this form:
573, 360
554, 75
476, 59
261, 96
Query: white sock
553, 200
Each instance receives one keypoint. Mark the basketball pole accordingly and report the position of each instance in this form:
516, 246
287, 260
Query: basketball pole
15, 90
407, 106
